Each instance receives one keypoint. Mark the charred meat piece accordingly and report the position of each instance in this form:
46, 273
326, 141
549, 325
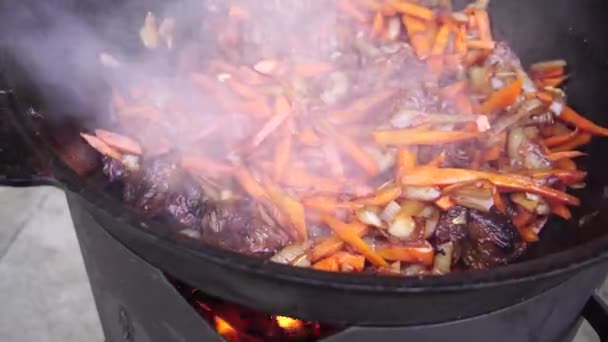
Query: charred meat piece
452, 225
114, 169
493, 240
148, 190
184, 203
238, 227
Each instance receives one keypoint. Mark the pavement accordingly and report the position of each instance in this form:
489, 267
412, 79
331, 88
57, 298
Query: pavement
44, 291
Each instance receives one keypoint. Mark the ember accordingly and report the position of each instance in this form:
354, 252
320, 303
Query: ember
237, 323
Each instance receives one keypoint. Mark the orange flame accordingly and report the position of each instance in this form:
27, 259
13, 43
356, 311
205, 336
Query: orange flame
289, 324
225, 330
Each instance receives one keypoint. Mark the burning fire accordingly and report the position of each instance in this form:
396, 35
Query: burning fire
289, 324
226, 330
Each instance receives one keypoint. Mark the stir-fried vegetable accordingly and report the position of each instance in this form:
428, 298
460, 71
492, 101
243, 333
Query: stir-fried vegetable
407, 121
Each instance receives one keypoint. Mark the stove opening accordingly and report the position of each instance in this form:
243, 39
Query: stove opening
237, 323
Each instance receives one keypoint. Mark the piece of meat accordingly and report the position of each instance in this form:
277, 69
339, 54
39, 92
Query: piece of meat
452, 226
492, 240
184, 203
114, 169
237, 227
148, 190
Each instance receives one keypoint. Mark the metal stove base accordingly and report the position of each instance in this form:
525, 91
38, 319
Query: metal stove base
136, 303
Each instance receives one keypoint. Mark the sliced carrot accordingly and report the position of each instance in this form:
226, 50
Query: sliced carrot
327, 205
358, 154
101, 146
329, 264
308, 137
502, 98
565, 155
481, 44
204, 165
435, 64
259, 108
333, 244
412, 9
544, 96
416, 31
528, 234
432, 176
350, 261
580, 140
493, 153
566, 164
570, 116
522, 218
568, 177
560, 210
282, 110
382, 197
378, 25
282, 155
292, 209
498, 201
242, 90
482, 20
441, 40
119, 141
348, 235
412, 254
249, 184
417, 137
444, 203
311, 69
298, 177
560, 139
460, 43
553, 81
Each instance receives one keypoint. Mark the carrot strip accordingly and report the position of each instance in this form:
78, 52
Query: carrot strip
282, 110
560, 139
414, 254
566, 164
327, 205
463, 104
333, 244
249, 184
417, 137
292, 208
527, 234
580, 140
460, 43
382, 197
416, 31
351, 261
357, 154
329, 264
567, 177
565, 155
493, 153
522, 218
414, 10
444, 203
498, 201
441, 40
242, 90
259, 108
308, 137
502, 98
483, 24
568, 115
438, 160
282, 156
119, 142
298, 177
348, 235
378, 25
360, 107
560, 210
204, 165
553, 81
101, 146
311, 69
432, 176
481, 44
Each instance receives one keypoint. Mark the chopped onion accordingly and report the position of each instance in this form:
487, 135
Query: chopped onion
149, 34
461, 219
543, 208
226, 195
131, 162
460, 17
421, 193
431, 224
403, 227
337, 90
548, 65
521, 200
394, 28
369, 215
291, 252
223, 77
483, 124
109, 61
557, 107
384, 160
427, 212
390, 211
480, 80
414, 270
474, 198
443, 258
497, 83
527, 109
301, 261
533, 197
528, 86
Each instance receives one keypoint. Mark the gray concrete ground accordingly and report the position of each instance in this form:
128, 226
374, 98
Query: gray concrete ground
44, 292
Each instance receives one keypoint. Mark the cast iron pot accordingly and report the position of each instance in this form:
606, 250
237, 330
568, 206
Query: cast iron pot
49, 151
